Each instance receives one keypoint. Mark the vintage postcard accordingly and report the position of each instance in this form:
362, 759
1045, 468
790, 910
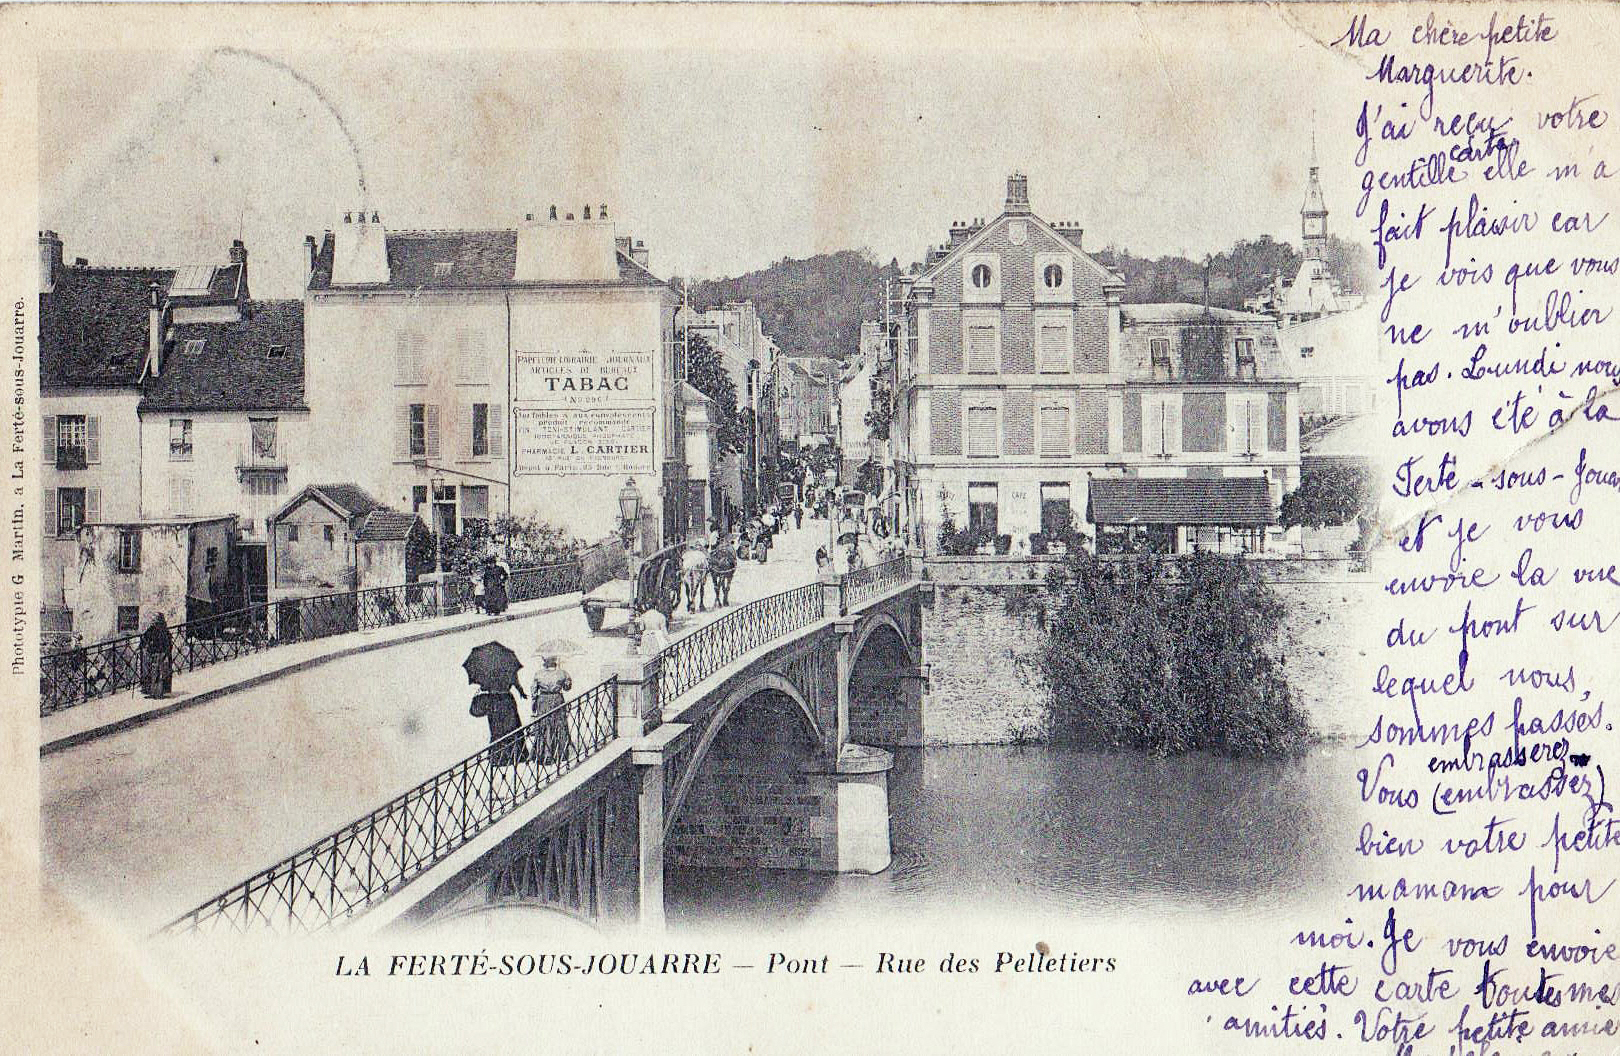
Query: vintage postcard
811, 528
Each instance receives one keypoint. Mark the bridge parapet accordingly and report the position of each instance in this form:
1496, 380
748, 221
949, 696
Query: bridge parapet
699, 677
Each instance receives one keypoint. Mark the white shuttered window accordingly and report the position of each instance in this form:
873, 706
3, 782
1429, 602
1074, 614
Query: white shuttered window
983, 432
982, 353
1054, 430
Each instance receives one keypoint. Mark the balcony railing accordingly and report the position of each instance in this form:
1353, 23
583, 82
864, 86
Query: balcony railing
73, 676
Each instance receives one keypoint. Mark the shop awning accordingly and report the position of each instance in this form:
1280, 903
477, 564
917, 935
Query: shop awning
1230, 501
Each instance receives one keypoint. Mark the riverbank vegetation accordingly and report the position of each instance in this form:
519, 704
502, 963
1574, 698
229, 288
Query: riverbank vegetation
1166, 657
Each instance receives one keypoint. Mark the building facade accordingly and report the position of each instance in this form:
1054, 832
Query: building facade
1023, 381
806, 388
224, 428
106, 336
469, 374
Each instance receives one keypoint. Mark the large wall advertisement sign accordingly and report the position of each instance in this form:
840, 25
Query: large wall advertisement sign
584, 412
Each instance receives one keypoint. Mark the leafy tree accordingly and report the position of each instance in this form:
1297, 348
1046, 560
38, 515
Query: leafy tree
1166, 657
1330, 493
813, 306
707, 374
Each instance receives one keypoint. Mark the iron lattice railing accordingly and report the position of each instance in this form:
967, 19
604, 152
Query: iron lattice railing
341, 875
685, 663
866, 583
74, 676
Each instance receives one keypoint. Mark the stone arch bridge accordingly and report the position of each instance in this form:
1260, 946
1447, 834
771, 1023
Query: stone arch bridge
744, 744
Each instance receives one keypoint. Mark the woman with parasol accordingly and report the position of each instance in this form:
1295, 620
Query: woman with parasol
494, 669
551, 684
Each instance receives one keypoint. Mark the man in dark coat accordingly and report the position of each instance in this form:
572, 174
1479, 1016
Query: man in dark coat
722, 566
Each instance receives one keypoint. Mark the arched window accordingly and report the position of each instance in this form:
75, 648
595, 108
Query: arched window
1053, 276
980, 276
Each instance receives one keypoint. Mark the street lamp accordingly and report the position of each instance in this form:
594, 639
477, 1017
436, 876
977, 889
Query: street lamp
629, 513
435, 490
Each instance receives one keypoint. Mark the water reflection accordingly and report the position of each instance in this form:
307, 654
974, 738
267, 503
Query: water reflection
1035, 829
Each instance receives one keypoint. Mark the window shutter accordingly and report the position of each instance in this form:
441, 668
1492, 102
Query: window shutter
982, 438
47, 512
430, 416
1054, 348
497, 431
1172, 428
1133, 421
92, 439
92, 505
49, 438
1277, 421
462, 427
402, 430
982, 350
1054, 430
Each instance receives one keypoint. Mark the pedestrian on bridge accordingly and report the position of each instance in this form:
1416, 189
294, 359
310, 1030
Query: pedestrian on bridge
551, 684
157, 658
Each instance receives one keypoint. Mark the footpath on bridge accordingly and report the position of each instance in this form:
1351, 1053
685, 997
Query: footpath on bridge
129, 709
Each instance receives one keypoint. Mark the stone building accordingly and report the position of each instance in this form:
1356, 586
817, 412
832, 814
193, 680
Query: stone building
224, 426
128, 573
336, 537
748, 355
804, 397
528, 370
106, 335
1024, 381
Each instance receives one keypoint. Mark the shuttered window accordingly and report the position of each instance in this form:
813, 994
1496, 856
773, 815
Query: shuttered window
1277, 421
1055, 350
1054, 430
1091, 424
410, 358
497, 431
419, 430
983, 432
1161, 425
180, 495
1203, 421
1248, 425
47, 512
49, 434
982, 354
472, 356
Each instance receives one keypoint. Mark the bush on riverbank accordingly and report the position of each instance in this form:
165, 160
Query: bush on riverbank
1167, 657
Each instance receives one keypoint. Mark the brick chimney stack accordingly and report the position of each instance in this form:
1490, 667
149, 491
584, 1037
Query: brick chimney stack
154, 330
1017, 195
50, 260
239, 256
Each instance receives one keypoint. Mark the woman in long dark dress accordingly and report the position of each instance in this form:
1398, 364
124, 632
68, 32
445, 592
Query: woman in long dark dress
501, 711
494, 588
157, 658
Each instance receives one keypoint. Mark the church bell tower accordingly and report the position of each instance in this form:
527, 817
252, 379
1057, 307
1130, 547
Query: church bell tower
1313, 214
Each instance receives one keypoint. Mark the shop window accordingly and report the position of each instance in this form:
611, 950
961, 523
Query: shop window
983, 508
129, 619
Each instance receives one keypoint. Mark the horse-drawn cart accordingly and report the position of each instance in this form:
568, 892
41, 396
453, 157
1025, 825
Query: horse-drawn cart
657, 585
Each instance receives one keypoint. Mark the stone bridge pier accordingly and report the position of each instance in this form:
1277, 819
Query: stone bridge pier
762, 761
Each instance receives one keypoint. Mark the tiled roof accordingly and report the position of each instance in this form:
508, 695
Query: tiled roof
350, 497
93, 326
384, 525
476, 259
234, 368
1178, 312
1230, 501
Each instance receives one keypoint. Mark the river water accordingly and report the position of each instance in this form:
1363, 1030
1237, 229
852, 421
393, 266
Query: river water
1036, 829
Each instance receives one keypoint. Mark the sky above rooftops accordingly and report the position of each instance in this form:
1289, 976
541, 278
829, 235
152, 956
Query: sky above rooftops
722, 159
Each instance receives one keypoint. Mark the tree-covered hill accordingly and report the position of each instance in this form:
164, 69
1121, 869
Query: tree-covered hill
810, 307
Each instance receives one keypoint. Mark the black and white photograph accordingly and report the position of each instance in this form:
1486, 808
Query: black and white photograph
812, 528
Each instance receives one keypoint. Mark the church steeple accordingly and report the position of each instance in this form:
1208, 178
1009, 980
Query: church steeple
1313, 214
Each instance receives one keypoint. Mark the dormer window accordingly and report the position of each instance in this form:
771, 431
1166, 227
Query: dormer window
980, 276
1307, 351
194, 346
1245, 357
1159, 348
276, 352
1052, 276
442, 269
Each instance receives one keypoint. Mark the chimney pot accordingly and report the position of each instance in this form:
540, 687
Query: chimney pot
1017, 193
80, 262
554, 212
601, 214
568, 216
348, 218
587, 212
238, 252
374, 216
50, 260
528, 218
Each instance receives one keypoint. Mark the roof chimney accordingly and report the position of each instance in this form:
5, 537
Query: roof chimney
50, 260
239, 258
360, 251
154, 330
1017, 195
309, 256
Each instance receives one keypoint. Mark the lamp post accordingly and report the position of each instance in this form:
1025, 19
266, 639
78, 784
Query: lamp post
435, 489
629, 521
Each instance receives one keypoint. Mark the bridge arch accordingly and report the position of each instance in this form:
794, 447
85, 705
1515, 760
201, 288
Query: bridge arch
762, 682
885, 684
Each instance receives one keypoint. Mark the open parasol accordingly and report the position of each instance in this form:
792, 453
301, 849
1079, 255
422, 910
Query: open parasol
493, 667
559, 647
